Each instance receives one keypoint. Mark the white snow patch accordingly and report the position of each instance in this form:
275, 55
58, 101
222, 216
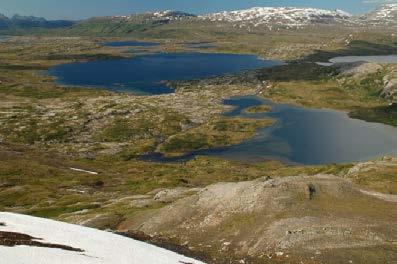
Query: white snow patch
384, 15
99, 247
287, 16
86, 171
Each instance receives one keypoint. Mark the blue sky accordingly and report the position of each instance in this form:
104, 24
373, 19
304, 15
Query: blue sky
78, 9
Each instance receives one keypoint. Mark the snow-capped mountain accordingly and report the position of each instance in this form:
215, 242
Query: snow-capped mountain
26, 239
173, 15
272, 17
385, 14
167, 15
281, 16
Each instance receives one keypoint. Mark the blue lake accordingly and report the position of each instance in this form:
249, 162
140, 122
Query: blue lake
130, 43
302, 136
144, 74
298, 136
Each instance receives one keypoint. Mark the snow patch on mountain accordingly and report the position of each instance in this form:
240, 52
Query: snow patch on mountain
173, 15
284, 16
63, 243
168, 15
385, 14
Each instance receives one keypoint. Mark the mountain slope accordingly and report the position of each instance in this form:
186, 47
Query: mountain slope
25, 239
281, 220
171, 22
18, 22
257, 17
4, 22
281, 16
299, 17
120, 25
167, 15
385, 14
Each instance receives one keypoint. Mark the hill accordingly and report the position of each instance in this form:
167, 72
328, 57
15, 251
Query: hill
385, 14
258, 18
17, 23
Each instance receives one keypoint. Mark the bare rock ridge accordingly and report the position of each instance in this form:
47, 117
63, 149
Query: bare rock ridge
291, 216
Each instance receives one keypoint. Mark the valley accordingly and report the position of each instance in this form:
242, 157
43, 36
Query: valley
74, 149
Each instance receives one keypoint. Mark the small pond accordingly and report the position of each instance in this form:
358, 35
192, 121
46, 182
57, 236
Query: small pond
349, 59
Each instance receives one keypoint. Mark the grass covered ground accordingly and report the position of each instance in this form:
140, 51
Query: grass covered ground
311, 85
45, 130
42, 183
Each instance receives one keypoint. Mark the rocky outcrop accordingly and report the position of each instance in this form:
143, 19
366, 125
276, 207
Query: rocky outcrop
103, 221
291, 217
357, 69
171, 195
390, 88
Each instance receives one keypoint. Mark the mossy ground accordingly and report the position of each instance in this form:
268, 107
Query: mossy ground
217, 133
311, 85
42, 183
44, 129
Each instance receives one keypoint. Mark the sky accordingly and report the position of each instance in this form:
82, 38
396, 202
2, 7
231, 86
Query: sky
80, 9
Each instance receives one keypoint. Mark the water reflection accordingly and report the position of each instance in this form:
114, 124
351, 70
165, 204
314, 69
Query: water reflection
305, 136
143, 74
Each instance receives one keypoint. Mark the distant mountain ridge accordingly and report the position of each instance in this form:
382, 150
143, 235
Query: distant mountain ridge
257, 17
27, 22
168, 15
281, 16
299, 17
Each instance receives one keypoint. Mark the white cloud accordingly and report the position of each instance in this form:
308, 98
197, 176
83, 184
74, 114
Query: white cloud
380, 1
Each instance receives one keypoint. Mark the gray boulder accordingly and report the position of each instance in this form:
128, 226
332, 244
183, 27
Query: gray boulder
390, 89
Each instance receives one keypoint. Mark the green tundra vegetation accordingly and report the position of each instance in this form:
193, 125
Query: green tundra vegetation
257, 109
216, 133
42, 184
45, 129
77, 154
